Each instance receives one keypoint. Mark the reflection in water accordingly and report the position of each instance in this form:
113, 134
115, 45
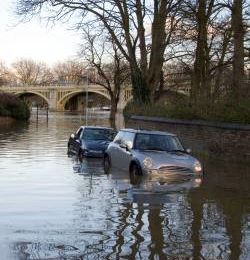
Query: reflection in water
57, 207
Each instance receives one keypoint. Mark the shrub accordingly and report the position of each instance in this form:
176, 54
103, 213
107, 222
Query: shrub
12, 106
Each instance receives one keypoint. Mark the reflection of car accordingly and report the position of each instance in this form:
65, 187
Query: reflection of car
150, 152
152, 189
88, 166
90, 141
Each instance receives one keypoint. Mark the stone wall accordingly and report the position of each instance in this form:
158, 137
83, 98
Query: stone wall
227, 141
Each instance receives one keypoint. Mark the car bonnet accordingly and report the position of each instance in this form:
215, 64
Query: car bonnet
163, 158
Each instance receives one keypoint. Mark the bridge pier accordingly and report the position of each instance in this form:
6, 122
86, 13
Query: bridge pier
53, 100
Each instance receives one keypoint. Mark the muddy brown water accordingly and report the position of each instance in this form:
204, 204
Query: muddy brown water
55, 207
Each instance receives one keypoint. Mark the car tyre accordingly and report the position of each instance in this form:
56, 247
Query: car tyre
80, 154
135, 170
106, 164
134, 178
69, 150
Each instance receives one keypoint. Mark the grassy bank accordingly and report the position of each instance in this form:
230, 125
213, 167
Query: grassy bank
6, 120
12, 106
220, 112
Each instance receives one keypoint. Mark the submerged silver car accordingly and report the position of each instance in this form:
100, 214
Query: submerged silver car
150, 152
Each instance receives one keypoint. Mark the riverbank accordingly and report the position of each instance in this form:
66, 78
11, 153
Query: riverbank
6, 121
211, 139
179, 107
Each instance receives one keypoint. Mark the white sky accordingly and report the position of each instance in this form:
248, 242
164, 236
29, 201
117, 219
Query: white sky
34, 40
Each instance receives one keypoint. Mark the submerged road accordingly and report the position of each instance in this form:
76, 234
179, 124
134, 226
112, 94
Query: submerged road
56, 207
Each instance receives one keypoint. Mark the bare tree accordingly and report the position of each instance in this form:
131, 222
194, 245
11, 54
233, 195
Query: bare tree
204, 48
238, 41
70, 72
103, 55
4, 73
30, 72
137, 27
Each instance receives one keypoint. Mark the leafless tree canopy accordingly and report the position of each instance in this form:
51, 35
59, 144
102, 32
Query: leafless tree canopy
206, 38
70, 72
138, 28
30, 72
111, 69
4, 74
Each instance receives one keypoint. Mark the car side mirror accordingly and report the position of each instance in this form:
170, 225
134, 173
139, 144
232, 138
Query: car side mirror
188, 150
127, 147
72, 136
123, 146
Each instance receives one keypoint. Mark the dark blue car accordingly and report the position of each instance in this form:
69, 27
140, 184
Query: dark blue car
90, 141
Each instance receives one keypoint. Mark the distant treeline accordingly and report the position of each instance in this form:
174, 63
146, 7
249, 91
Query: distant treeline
12, 106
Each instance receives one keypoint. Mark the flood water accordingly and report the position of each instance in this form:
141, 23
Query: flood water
55, 207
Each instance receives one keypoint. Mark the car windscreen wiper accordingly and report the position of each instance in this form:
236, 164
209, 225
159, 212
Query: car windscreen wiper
177, 150
154, 149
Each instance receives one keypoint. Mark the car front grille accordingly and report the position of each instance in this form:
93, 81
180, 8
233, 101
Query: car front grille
175, 169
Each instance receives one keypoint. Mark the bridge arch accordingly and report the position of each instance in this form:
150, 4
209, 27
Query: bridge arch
65, 98
20, 93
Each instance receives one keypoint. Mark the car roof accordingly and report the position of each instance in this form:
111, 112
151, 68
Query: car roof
96, 127
140, 131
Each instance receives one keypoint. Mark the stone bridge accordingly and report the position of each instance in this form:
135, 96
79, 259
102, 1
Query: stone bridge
57, 96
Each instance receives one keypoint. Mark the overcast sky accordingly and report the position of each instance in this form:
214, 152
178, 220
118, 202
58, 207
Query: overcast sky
34, 40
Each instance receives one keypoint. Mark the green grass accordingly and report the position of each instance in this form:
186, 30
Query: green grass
180, 109
12, 106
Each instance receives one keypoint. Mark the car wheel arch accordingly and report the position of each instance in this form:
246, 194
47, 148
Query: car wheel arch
135, 163
106, 155
106, 163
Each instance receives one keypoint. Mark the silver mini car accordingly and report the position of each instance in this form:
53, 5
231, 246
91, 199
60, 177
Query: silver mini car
150, 152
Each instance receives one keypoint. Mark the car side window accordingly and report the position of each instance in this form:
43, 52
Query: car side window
128, 139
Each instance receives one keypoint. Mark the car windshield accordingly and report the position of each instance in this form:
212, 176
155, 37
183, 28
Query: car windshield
98, 134
157, 142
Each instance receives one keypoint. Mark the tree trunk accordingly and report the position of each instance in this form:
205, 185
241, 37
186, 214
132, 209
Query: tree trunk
145, 78
199, 77
113, 111
158, 46
238, 58
159, 93
219, 75
141, 91
112, 116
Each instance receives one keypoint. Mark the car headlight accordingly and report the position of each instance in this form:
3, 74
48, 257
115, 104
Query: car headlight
198, 181
197, 167
148, 162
